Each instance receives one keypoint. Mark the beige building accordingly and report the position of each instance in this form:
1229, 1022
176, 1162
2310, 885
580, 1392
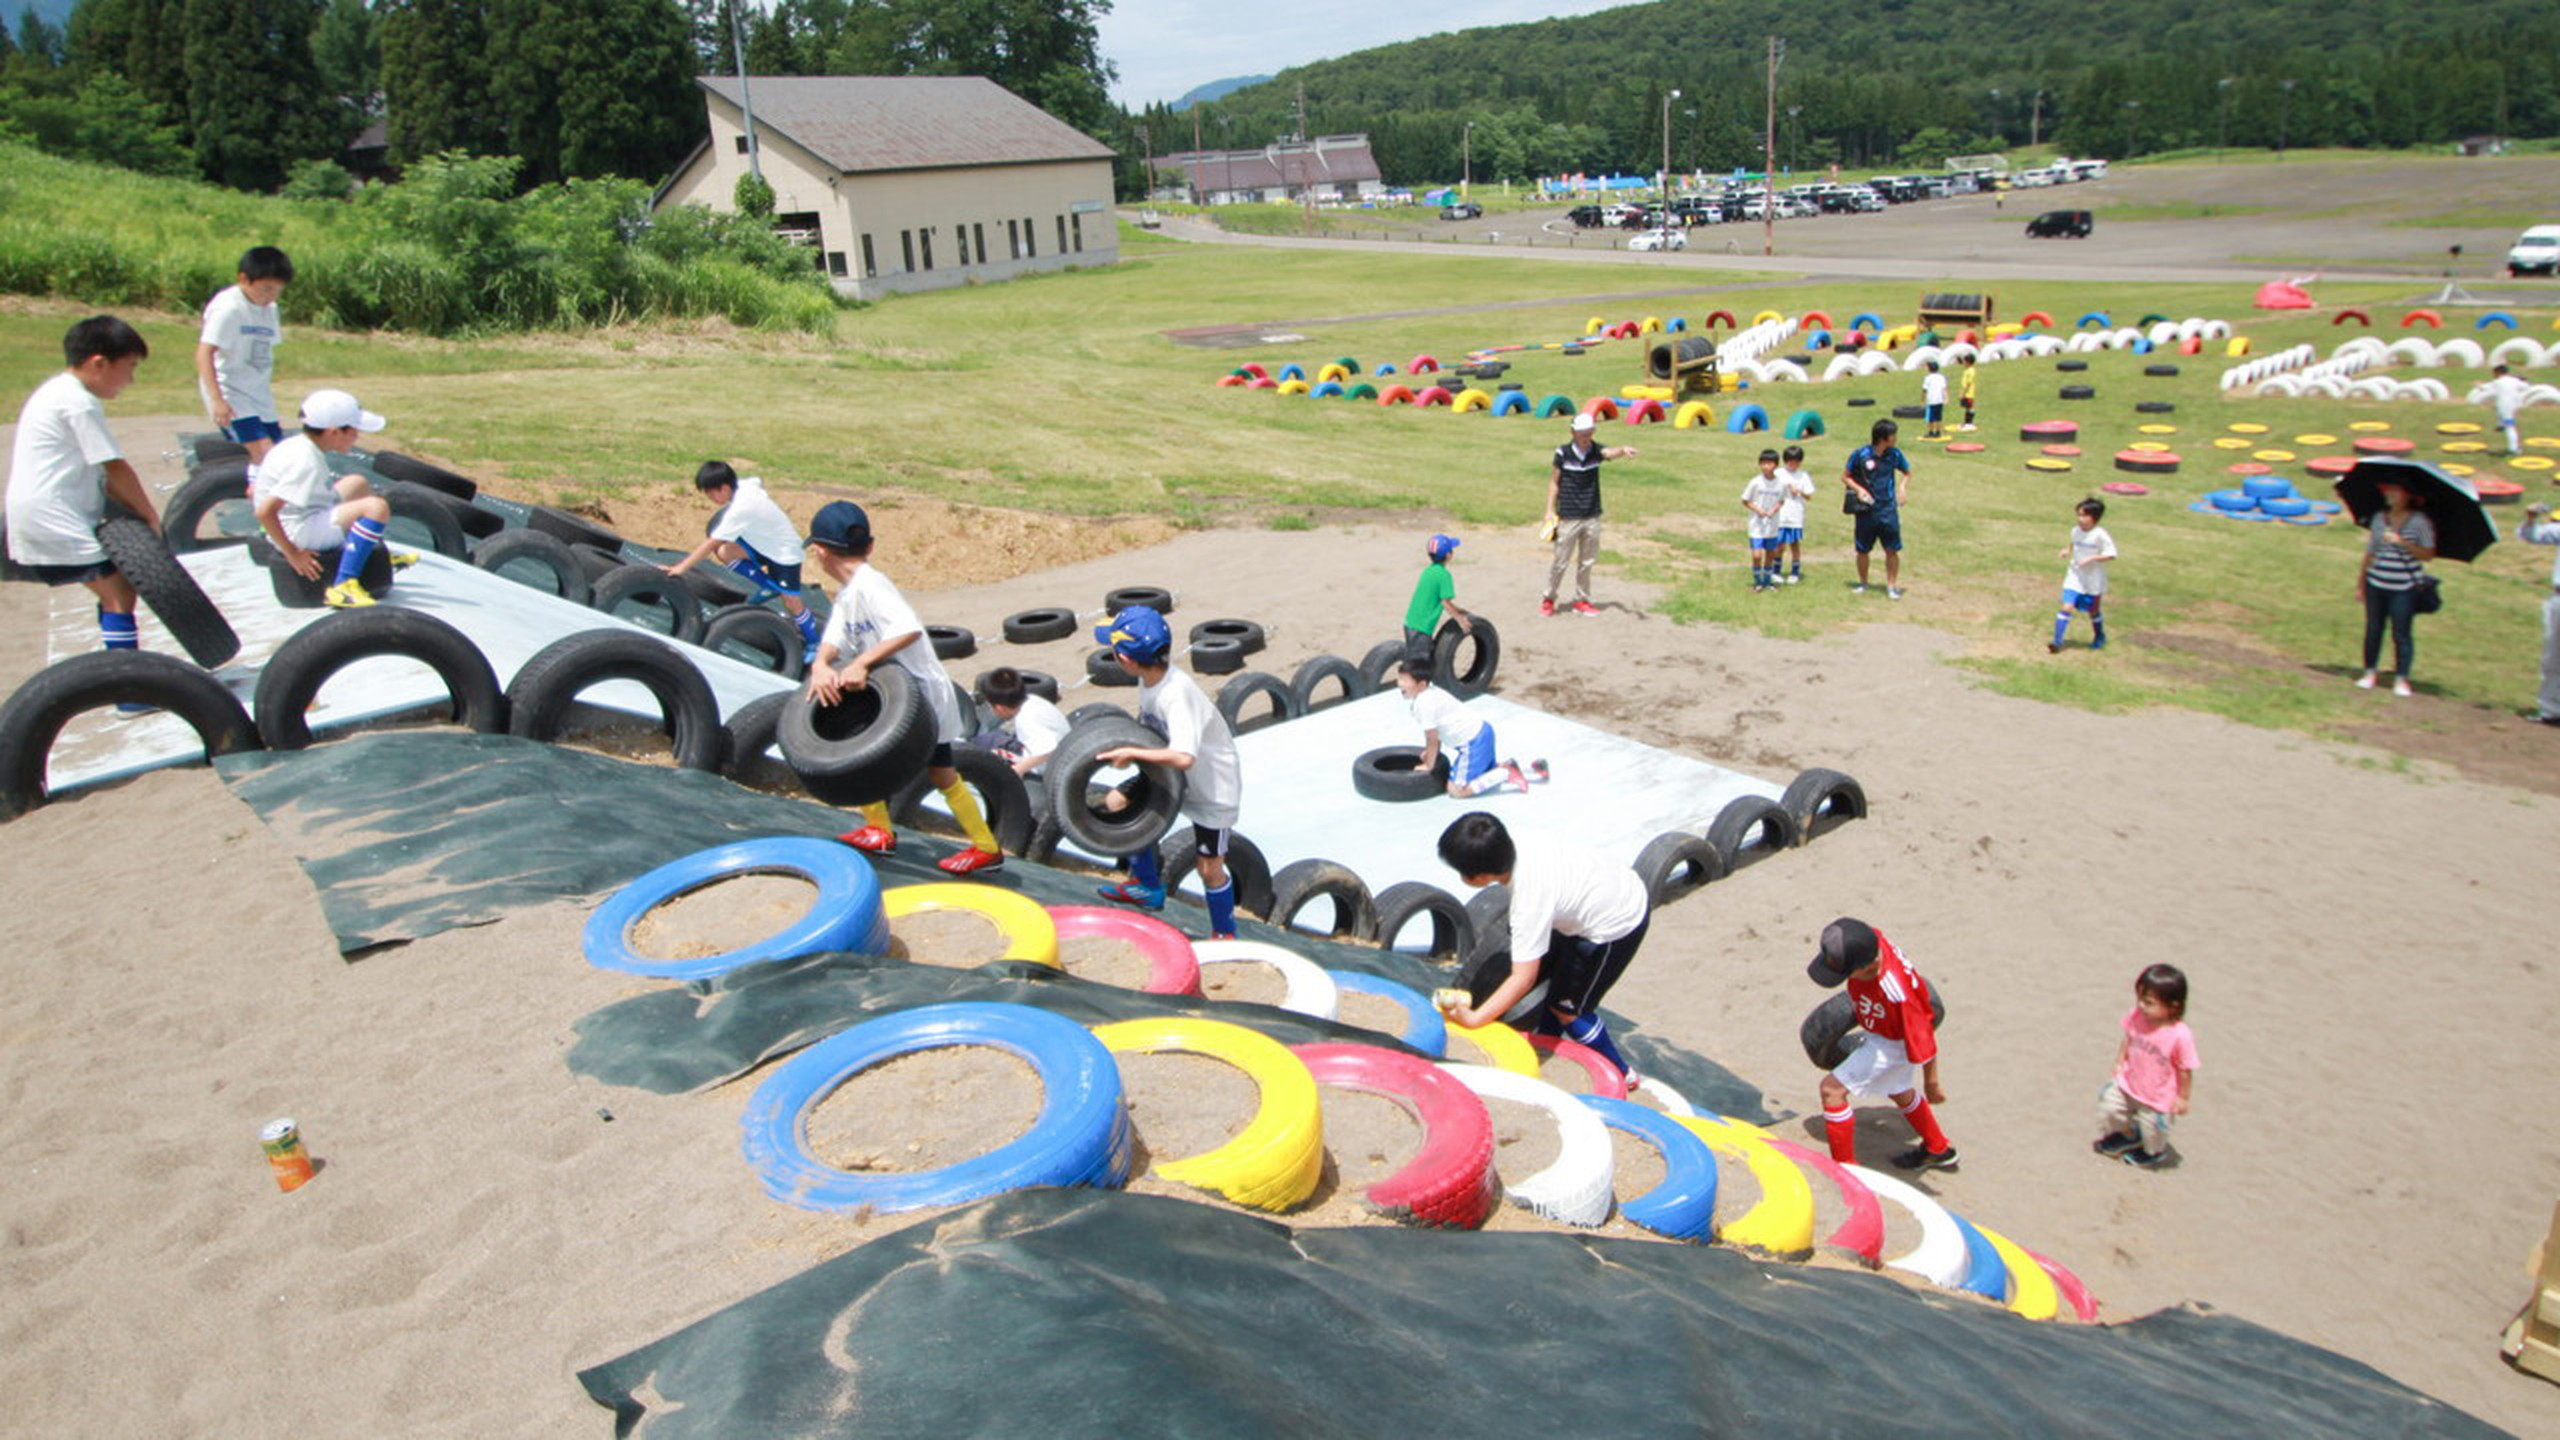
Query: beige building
908, 182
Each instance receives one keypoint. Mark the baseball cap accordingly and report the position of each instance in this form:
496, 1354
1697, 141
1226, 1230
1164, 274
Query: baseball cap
336, 410
1441, 545
1584, 424
1848, 946
839, 525
1137, 632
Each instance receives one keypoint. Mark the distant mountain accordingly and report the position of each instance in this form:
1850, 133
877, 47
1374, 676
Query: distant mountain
1199, 94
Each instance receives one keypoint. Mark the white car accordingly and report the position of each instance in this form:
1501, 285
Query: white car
2536, 252
1664, 239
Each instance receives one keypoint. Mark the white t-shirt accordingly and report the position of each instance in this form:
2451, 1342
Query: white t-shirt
869, 612
2506, 396
244, 337
1573, 891
57, 475
1765, 492
1436, 709
2093, 543
297, 472
1933, 388
1039, 725
755, 521
1799, 489
1179, 710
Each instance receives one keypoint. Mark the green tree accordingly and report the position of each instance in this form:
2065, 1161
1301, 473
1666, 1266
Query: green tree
254, 102
38, 42
349, 54
435, 78
593, 87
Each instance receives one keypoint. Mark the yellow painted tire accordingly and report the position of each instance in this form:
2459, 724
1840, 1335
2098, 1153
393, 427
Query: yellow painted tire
1781, 1224
2031, 1290
1693, 415
1294, 387
1471, 400
1652, 325
1644, 392
1029, 933
1275, 1162
1333, 372
1765, 316
2238, 345
1594, 325
1502, 1047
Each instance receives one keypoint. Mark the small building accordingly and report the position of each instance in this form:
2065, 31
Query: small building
904, 183
1332, 168
2481, 145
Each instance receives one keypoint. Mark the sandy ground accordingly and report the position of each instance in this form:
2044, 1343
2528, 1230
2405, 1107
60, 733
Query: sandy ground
2366, 1167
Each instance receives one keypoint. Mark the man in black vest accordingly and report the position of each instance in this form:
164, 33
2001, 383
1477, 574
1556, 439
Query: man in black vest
1573, 512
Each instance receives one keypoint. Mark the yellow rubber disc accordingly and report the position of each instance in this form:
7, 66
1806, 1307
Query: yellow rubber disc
2049, 465
2159, 429
2271, 456
2247, 427
2457, 427
2455, 467
2369, 425
2533, 462
2229, 442
2464, 447
2542, 442
2147, 446
2315, 439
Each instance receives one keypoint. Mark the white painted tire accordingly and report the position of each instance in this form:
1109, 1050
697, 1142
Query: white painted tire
1576, 1189
1941, 1257
1671, 1101
1311, 990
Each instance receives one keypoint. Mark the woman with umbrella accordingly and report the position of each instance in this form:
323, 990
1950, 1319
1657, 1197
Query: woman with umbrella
2412, 512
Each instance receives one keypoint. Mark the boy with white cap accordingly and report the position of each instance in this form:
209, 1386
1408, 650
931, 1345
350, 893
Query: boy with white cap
305, 507
1197, 742
1573, 512
1899, 1059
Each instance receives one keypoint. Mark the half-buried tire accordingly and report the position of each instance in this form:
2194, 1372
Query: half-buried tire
1033, 627
33, 717
544, 688
292, 678
1751, 829
1406, 901
747, 735
535, 561
1253, 685
392, 465
144, 558
561, 525
1002, 797
651, 599
1315, 673
1378, 667
1247, 869
1676, 862
864, 746
1302, 883
752, 635
212, 508
1820, 801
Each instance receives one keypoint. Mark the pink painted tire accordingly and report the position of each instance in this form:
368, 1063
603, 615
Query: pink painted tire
1451, 1181
1862, 1234
1430, 395
1606, 1080
1172, 968
2125, 487
2074, 1294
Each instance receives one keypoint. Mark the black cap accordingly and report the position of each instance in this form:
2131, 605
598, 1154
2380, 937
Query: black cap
839, 525
1848, 946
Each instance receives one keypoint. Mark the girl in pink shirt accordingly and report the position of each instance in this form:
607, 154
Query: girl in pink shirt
2155, 1071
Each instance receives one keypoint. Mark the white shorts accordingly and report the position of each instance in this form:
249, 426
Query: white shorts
1878, 1067
312, 529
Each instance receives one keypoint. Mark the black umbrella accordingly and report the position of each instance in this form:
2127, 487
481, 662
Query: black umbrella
2463, 529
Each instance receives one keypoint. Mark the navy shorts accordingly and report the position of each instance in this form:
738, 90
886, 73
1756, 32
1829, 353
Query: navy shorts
1790, 534
72, 574
785, 578
2085, 604
1873, 532
1937, 412
248, 429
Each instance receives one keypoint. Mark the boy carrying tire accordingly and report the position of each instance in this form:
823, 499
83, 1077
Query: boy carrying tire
1900, 1057
754, 539
64, 467
1196, 742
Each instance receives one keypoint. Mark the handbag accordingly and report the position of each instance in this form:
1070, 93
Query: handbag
2426, 597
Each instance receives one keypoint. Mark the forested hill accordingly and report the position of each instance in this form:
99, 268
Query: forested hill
1874, 82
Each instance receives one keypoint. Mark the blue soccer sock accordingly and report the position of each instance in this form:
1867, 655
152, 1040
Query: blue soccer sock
118, 631
808, 624
2098, 629
1591, 1030
1222, 909
747, 569
2061, 625
1143, 870
363, 538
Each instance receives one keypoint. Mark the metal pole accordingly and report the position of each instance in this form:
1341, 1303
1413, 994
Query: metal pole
2284, 126
1769, 155
1467, 175
2035, 123
746, 96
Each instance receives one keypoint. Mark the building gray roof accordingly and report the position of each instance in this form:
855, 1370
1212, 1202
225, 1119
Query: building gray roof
1325, 160
861, 123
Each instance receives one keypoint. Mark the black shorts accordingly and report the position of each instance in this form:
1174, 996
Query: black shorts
1579, 971
1208, 842
1873, 532
72, 574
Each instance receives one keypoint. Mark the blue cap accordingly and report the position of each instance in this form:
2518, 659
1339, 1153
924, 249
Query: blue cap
839, 525
1441, 545
1137, 632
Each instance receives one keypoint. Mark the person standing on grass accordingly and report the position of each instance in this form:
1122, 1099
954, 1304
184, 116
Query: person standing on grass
1933, 400
2540, 529
1573, 512
1965, 394
1763, 496
236, 353
1876, 496
1799, 483
2399, 540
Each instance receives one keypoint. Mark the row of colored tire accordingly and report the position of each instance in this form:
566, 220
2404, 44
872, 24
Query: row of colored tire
2266, 497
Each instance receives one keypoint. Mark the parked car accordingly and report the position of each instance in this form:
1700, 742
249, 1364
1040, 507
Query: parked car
1662, 239
2052, 223
1585, 217
1620, 213
1697, 212
2536, 252
1462, 210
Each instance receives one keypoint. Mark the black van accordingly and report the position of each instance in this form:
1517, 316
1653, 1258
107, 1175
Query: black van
2074, 223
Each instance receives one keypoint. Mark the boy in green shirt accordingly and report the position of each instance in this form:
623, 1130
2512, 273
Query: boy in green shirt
1435, 595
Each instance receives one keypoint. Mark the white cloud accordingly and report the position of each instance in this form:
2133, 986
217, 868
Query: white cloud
1165, 47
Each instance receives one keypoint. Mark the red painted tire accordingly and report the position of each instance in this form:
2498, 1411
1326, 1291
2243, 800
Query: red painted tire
2035, 430
2074, 1294
2125, 487
1262, 384
1645, 412
2428, 318
1396, 395
1966, 447
2496, 492
1433, 395
1815, 320
2192, 345
1451, 1181
2035, 317
2252, 467
1600, 407
2062, 452
1230, 382
2147, 462
1254, 369
1606, 1079
2358, 316
1172, 969
1422, 365
1862, 1233
2383, 445
2332, 466
1720, 317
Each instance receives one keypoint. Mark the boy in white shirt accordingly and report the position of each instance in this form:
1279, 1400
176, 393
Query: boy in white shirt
1576, 922
1799, 483
1764, 495
872, 625
1196, 742
1445, 719
236, 353
2084, 585
1933, 394
1038, 724
305, 507
64, 467
753, 538
2505, 395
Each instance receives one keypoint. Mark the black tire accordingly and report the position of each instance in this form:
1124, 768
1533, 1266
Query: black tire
2079, 392
1489, 923
1249, 637
423, 519
392, 465
295, 593
1301, 883
745, 737
1861, 402
1103, 668
1378, 667
2159, 370
536, 561
1827, 1027
1248, 870
1482, 648
209, 447
512, 514
143, 558
1820, 801
595, 564
1676, 862
753, 635
1037, 682
1910, 412
1154, 793
650, 598
2070, 367
1217, 657
1313, 674
32, 718
1393, 773
950, 642
864, 746
539, 697
561, 525
293, 676
1154, 597
1088, 711
1749, 830
2154, 407
1253, 685
1001, 797
218, 494
1401, 903
1034, 627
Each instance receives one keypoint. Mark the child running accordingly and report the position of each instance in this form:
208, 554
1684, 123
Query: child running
753, 538
1435, 597
1196, 742
1799, 484
1444, 718
1577, 920
64, 467
1764, 495
1900, 1057
236, 353
306, 508
2155, 1071
2084, 586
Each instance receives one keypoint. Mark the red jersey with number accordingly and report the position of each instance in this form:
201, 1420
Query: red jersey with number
1895, 1004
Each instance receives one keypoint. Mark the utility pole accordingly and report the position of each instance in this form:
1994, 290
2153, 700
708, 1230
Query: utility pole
1769, 153
1467, 170
1667, 97
1199, 159
2284, 126
746, 97
2035, 122
1147, 177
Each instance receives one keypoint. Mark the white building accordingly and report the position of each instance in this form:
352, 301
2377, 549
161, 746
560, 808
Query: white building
1333, 167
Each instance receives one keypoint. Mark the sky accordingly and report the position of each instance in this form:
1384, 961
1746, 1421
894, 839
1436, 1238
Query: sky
1165, 47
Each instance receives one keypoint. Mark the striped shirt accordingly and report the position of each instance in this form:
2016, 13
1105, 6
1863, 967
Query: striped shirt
1577, 481
2392, 567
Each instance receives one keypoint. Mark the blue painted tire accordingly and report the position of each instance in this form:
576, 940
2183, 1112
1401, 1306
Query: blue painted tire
846, 914
2140, 346
2306, 519
2494, 317
2285, 507
2105, 321
1385, 369
1676, 324
2255, 517
1327, 390
1082, 1136
1424, 1028
1984, 1275
2204, 507
1683, 1206
1868, 319
2267, 487
1747, 419
1818, 340
1291, 371
2325, 507
2233, 500
1512, 402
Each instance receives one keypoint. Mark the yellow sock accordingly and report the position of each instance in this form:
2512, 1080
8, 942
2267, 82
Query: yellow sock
973, 821
877, 812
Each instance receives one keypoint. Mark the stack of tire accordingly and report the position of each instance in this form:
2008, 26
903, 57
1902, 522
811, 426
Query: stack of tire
2266, 497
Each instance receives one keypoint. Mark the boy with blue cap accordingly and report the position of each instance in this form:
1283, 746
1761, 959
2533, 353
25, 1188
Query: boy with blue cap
872, 625
1197, 742
1435, 597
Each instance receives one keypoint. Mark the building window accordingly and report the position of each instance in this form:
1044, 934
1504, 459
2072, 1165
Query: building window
1030, 239
835, 262
1079, 232
742, 142
924, 244
981, 232
870, 265
1013, 239
963, 232
907, 248
1062, 234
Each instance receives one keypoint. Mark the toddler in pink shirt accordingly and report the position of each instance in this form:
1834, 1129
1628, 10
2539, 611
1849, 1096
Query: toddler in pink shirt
2155, 1071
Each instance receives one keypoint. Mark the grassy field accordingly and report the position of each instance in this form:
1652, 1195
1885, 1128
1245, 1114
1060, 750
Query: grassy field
1063, 394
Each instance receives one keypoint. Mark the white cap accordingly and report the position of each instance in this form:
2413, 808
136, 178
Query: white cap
1584, 424
335, 410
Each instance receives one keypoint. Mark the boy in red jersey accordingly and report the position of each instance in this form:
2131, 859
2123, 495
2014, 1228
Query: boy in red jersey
1900, 1056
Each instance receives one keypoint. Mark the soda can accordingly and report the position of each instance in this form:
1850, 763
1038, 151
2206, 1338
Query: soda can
285, 1155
